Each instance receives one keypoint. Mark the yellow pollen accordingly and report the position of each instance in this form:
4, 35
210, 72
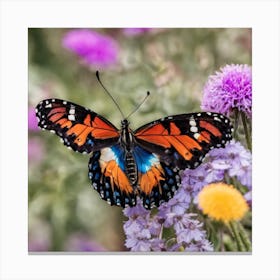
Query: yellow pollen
222, 202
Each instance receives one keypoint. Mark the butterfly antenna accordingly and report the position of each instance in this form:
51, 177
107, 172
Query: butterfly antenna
98, 78
145, 98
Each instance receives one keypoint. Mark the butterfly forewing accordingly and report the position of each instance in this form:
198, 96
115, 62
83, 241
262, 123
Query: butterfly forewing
185, 139
81, 129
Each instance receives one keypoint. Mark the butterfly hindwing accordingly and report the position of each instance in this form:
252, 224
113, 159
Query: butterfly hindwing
157, 181
79, 128
108, 177
184, 140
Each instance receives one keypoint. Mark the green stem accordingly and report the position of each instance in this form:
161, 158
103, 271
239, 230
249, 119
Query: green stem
236, 121
234, 229
246, 130
221, 233
245, 239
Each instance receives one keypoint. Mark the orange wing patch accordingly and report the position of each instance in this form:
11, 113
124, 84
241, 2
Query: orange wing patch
98, 128
211, 128
117, 176
204, 137
151, 179
159, 135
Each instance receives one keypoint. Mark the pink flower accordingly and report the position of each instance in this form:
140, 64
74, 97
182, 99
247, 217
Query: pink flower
94, 48
32, 120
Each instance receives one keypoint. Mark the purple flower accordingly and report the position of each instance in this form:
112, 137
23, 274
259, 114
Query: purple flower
188, 229
93, 47
237, 159
202, 245
193, 180
82, 243
135, 31
142, 230
248, 197
32, 120
229, 89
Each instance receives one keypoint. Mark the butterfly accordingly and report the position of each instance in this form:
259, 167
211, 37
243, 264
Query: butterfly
145, 163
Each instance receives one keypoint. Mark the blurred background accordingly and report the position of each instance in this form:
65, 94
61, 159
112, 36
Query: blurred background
65, 213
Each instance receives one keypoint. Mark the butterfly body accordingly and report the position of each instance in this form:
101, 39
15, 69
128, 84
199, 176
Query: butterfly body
144, 163
127, 141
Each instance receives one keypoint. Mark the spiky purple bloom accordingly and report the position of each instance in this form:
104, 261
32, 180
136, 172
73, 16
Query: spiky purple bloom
135, 31
94, 48
229, 89
32, 120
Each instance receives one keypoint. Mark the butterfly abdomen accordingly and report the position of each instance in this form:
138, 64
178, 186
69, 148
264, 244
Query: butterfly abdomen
131, 169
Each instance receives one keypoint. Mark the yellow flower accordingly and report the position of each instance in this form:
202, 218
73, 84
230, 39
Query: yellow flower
222, 202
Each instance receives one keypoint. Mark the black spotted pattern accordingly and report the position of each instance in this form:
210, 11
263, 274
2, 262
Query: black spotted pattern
102, 184
166, 190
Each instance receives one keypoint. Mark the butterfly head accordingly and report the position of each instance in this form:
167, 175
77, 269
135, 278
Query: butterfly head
124, 123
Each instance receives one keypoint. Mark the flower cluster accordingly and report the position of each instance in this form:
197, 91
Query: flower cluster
145, 231
229, 89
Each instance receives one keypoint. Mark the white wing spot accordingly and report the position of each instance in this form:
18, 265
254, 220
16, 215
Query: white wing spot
72, 111
196, 135
71, 117
193, 129
64, 102
192, 122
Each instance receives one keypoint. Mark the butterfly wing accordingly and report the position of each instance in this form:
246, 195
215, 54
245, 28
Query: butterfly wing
79, 128
157, 180
108, 177
184, 140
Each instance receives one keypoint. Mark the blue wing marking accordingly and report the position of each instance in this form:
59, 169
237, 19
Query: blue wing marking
144, 159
